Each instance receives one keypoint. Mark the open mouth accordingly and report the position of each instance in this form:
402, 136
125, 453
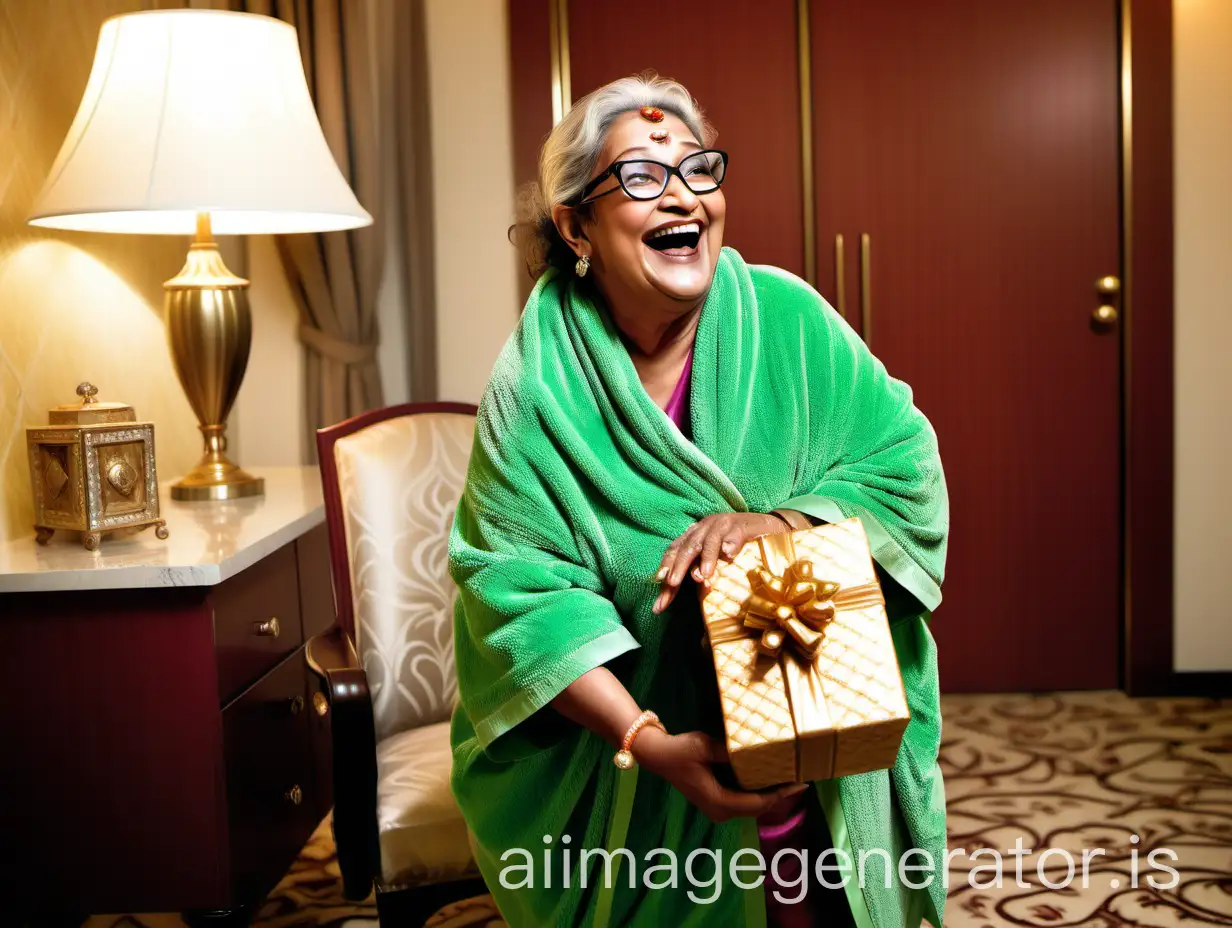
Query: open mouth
679, 239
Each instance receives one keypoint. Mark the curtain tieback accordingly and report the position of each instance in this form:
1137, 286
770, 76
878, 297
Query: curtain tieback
336, 349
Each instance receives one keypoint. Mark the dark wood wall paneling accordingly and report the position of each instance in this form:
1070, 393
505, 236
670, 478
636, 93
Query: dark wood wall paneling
756, 111
1151, 389
978, 145
530, 84
738, 59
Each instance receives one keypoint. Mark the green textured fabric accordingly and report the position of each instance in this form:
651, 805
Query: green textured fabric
577, 483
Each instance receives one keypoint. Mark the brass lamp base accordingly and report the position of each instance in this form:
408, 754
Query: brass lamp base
209, 329
216, 478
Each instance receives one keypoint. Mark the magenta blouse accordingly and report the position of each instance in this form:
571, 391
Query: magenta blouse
677, 408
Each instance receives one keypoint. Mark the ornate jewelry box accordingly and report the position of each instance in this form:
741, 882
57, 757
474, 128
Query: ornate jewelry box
92, 471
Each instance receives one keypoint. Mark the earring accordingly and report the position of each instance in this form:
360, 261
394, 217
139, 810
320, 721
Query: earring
582, 266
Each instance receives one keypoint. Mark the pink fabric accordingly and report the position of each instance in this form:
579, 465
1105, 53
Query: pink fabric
677, 408
787, 825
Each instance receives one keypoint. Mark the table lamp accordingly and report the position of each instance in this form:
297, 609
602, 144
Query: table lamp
199, 121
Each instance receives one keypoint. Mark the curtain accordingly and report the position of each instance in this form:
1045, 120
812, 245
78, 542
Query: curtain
366, 66
335, 276
407, 53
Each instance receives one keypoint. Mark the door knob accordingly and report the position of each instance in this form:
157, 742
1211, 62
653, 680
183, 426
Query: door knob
1105, 315
1109, 290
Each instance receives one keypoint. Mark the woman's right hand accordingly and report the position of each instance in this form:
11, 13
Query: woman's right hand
685, 761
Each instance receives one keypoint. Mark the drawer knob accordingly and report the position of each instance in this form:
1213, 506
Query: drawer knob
320, 703
297, 705
270, 629
295, 795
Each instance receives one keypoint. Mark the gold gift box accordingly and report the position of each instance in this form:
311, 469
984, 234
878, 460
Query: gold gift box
808, 678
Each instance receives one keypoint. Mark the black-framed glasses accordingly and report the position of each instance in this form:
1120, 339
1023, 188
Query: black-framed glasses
643, 179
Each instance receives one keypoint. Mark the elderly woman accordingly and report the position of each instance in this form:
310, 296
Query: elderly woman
661, 403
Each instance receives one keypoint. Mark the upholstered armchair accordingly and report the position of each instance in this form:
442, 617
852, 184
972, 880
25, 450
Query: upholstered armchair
392, 480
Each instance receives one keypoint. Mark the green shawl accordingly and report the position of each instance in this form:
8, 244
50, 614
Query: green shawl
577, 483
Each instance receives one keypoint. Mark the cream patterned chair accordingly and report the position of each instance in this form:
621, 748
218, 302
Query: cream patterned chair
392, 480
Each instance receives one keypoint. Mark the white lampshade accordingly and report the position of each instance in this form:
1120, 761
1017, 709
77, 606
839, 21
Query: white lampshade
191, 111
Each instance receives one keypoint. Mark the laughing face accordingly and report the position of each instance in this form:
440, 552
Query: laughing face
659, 252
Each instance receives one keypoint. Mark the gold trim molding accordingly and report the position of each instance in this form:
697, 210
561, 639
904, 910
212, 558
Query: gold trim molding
1127, 319
804, 54
558, 51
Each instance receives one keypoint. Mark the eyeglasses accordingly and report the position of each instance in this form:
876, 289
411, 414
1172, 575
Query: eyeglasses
702, 172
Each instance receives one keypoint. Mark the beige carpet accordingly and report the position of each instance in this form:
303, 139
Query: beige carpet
1070, 771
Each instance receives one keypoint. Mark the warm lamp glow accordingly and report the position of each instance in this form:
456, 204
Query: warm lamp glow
197, 111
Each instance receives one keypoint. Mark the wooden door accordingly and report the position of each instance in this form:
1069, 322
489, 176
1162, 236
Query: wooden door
976, 144
738, 59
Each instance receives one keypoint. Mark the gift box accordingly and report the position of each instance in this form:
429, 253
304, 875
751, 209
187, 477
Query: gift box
808, 678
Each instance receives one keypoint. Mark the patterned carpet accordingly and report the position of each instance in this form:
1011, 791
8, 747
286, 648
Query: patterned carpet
1068, 771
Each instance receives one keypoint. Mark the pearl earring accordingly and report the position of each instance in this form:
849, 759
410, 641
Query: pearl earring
582, 266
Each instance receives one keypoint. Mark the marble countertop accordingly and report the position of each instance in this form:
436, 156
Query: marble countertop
208, 541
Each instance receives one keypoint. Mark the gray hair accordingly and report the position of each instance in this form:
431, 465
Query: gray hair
571, 149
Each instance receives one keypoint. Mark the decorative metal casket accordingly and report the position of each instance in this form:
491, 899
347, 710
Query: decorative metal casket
92, 471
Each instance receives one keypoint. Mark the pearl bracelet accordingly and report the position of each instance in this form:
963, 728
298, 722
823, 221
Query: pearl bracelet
624, 757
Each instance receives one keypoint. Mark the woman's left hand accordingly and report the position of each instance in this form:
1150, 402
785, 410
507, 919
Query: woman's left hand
716, 536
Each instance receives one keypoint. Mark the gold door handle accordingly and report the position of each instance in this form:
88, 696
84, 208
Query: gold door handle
866, 288
270, 629
295, 795
1109, 290
297, 705
320, 703
840, 282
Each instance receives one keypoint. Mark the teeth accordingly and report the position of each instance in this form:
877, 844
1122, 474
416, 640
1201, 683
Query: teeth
678, 230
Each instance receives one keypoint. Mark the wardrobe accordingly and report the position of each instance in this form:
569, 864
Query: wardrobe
955, 178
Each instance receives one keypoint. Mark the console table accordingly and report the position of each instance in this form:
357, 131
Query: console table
161, 747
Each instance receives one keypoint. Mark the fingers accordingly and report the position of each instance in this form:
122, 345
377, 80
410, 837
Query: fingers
711, 546
730, 803
669, 556
704, 542
690, 756
665, 569
733, 540
690, 547
755, 804
665, 598
680, 554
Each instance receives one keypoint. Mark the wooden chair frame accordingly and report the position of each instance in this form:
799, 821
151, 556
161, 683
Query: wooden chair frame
335, 662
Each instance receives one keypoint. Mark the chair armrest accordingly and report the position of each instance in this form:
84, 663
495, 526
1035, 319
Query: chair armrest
332, 659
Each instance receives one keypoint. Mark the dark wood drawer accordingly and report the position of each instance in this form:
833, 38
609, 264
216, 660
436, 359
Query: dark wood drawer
271, 792
316, 585
256, 620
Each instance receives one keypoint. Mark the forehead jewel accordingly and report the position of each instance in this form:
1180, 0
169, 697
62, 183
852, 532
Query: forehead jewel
651, 113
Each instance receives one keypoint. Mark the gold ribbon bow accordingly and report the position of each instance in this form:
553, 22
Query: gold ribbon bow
792, 606
788, 604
